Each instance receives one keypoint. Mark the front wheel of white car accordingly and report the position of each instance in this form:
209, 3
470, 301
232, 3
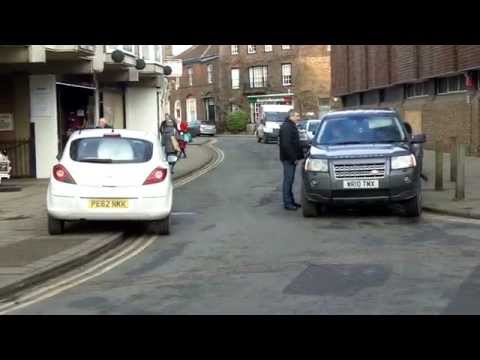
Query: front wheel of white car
162, 227
55, 226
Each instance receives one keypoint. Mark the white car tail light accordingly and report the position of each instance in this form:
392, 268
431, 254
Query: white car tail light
156, 176
60, 173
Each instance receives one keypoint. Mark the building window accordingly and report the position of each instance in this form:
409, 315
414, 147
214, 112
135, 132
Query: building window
451, 84
416, 90
329, 48
158, 54
191, 110
190, 76
235, 78
235, 108
146, 52
268, 48
234, 49
177, 83
258, 76
128, 48
210, 73
381, 95
178, 110
136, 49
286, 74
251, 49
286, 47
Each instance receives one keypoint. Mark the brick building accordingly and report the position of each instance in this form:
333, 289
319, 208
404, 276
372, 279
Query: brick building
250, 75
194, 94
435, 87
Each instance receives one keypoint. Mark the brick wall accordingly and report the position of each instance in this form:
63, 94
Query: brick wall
199, 89
443, 116
385, 65
378, 70
403, 63
310, 70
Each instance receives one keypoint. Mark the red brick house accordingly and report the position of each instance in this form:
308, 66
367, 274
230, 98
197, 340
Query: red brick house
435, 87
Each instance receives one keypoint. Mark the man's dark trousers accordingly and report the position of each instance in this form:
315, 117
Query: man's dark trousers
288, 178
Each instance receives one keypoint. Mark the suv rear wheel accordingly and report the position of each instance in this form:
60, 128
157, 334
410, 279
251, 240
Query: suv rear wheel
413, 207
55, 226
309, 209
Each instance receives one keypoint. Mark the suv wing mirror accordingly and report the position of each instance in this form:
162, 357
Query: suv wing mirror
419, 139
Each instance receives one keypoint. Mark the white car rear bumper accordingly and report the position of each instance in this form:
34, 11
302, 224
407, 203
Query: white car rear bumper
140, 208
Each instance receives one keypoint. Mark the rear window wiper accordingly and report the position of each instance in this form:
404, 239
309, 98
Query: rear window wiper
101, 161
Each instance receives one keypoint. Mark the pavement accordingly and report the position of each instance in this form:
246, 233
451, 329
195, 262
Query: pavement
443, 201
235, 250
29, 255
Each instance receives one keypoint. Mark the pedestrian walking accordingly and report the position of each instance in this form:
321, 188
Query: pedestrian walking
184, 138
170, 136
290, 153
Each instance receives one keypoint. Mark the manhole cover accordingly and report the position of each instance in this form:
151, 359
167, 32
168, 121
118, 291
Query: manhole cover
338, 279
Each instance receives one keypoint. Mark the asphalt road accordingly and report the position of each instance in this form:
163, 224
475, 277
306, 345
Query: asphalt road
235, 250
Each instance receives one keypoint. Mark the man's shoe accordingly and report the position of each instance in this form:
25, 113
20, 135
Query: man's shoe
298, 206
290, 207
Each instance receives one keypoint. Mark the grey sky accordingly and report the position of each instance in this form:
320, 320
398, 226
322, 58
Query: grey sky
177, 49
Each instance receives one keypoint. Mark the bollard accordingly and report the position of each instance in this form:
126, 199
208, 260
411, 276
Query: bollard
460, 184
453, 159
438, 166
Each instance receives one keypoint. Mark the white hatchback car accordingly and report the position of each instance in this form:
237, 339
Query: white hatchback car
110, 174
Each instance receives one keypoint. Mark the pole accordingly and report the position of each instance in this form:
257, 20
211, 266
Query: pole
453, 159
460, 184
438, 166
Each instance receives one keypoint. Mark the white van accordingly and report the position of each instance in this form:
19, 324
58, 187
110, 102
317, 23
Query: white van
271, 117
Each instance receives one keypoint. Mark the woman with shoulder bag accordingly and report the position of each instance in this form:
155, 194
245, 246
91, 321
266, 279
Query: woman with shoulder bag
170, 141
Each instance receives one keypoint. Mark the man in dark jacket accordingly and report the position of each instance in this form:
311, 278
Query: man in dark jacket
290, 153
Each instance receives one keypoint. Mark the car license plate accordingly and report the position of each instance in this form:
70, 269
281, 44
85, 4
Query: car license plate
108, 204
360, 184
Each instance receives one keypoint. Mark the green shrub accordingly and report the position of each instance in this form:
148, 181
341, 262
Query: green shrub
237, 121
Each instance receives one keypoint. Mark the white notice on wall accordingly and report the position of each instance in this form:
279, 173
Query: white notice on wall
6, 122
42, 95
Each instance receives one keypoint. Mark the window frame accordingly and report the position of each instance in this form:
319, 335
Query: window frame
286, 47
251, 49
284, 75
447, 79
111, 48
253, 82
414, 86
237, 70
237, 49
270, 48
210, 73
190, 76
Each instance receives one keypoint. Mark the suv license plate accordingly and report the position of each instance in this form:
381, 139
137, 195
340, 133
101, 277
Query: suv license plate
360, 184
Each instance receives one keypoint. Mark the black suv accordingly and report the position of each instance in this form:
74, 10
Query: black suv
363, 156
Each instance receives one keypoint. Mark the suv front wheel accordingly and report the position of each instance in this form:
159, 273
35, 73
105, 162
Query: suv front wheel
413, 207
309, 209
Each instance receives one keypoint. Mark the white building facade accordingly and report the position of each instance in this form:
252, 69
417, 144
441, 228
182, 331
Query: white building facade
48, 90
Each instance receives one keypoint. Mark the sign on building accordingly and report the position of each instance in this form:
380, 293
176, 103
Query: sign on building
6, 122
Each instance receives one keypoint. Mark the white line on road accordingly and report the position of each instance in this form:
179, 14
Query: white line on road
75, 280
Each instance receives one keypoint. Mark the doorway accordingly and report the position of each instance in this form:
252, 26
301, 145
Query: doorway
210, 115
76, 110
